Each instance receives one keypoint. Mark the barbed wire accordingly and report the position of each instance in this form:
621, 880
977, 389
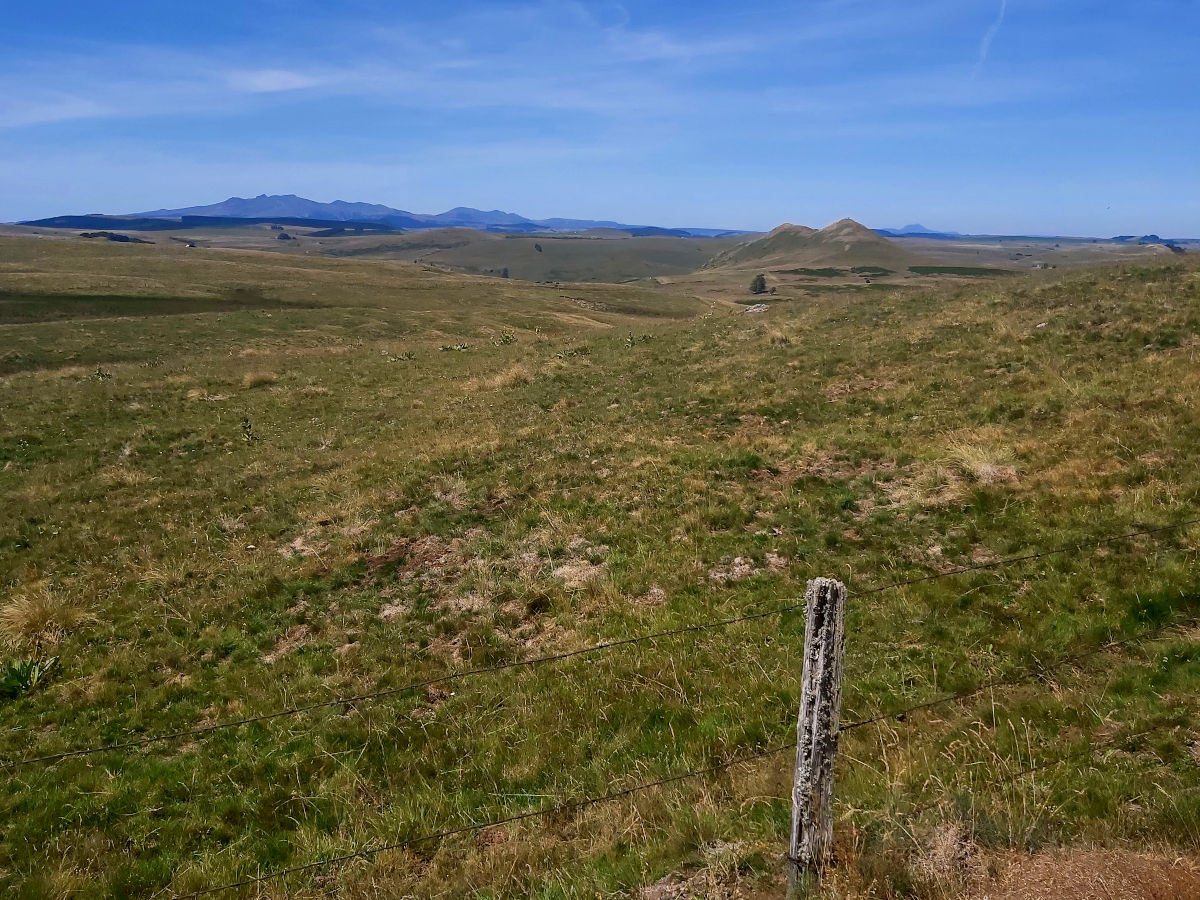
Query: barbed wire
353, 700
1011, 560
1010, 681
1054, 762
570, 806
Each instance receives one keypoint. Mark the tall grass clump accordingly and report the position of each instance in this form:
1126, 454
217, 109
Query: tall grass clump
39, 616
258, 379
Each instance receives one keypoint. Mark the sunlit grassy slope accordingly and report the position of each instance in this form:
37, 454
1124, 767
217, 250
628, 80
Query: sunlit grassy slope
359, 475
602, 255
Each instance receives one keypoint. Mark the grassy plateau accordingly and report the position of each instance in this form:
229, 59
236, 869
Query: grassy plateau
236, 482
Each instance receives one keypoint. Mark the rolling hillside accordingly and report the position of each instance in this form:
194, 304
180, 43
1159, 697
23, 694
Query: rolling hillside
597, 255
607, 255
799, 262
242, 488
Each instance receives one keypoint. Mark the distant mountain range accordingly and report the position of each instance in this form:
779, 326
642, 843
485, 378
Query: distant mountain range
916, 231
290, 207
282, 206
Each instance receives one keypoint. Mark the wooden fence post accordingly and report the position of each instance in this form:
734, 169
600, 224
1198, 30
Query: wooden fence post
817, 730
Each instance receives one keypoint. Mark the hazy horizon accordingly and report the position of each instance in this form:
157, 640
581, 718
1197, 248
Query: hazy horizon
897, 226
1015, 117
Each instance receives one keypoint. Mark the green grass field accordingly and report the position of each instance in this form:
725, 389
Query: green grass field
591, 256
599, 255
329, 477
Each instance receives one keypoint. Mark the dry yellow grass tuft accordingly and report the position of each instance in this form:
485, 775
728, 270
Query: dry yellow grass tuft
258, 379
295, 636
61, 372
719, 878
498, 381
982, 464
230, 524
165, 572
122, 474
928, 485
40, 615
778, 337
452, 490
948, 861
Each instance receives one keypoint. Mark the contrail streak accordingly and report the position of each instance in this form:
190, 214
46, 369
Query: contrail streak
985, 46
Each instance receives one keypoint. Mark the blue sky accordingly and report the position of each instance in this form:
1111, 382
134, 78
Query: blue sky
1030, 116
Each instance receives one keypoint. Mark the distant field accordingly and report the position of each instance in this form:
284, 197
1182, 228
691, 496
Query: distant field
211, 515
610, 258
18, 308
879, 271
815, 273
804, 293
606, 256
594, 256
1023, 253
957, 270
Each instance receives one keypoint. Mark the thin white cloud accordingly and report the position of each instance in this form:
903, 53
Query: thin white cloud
20, 110
985, 46
656, 46
547, 57
270, 81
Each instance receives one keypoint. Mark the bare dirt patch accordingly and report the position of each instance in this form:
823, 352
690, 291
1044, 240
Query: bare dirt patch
740, 569
655, 596
295, 636
576, 573
840, 390
527, 564
1096, 875
391, 610
304, 545
827, 465
428, 556
585, 565
466, 604
585, 303
717, 879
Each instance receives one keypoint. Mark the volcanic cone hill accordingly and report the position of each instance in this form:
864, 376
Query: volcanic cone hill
843, 244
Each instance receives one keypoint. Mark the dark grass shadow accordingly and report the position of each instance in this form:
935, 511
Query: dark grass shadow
24, 307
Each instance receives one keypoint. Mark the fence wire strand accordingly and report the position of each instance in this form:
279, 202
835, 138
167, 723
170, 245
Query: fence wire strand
203, 730
575, 805
571, 806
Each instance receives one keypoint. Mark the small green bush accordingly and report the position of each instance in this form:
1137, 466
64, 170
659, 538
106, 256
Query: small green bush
20, 676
